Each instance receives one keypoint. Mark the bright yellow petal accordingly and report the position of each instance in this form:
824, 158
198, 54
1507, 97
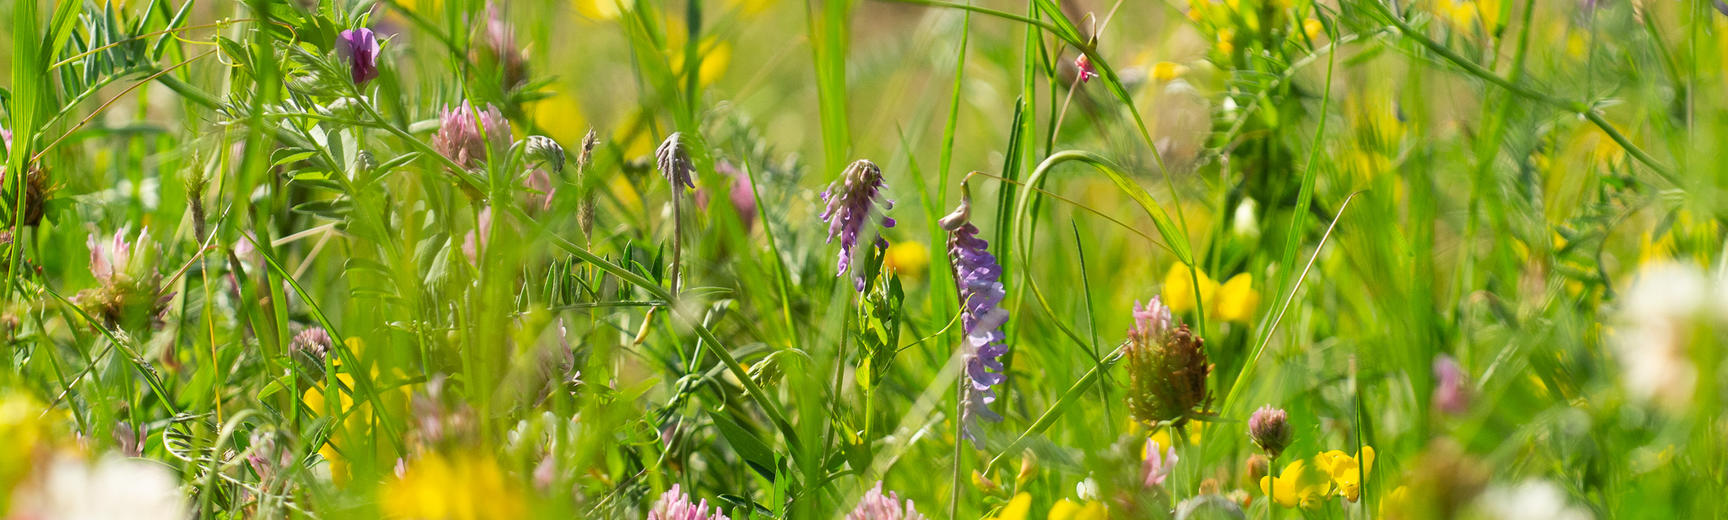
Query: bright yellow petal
601, 9
1237, 299
1017, 508
1179, 288
1064, 510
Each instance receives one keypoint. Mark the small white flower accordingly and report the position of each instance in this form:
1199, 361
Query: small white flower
1660, 309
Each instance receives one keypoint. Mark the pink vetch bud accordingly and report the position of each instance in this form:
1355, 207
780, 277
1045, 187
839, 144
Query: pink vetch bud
1156, 463
1086, 71
1270, 429
1451, 386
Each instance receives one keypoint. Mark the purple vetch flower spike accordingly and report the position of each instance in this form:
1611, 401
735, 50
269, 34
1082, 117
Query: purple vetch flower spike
463, 138
851, 200
977, 276
360, 48
675, 505
876, 506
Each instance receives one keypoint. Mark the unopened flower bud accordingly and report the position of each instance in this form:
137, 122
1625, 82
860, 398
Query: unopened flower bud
1270, 429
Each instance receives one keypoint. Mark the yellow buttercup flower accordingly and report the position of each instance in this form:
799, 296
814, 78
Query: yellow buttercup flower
561, 117
1236, 299
909, 259
1312, 28
468, 486
1347, 472
1298, 485
1017, 508
1068, 510
1179, 289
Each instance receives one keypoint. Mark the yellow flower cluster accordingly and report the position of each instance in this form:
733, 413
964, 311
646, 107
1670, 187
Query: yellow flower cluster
1308, 484
1235, 300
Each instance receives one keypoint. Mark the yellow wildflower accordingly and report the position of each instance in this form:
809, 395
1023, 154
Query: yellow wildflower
1165, 71
469, 486
1179, 289
909, 259
1347, 472
561, 117
1068, 510
1298, 485
1226, 40
1236, 300
1312, 28
1016, 509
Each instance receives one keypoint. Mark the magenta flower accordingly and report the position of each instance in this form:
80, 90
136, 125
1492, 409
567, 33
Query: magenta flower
977, 276
464, 134
1451, 391
1156, 463
360, 48
675, 505
876, 506
1084, 65
851, 200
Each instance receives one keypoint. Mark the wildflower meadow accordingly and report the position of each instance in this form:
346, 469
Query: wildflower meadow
864, 259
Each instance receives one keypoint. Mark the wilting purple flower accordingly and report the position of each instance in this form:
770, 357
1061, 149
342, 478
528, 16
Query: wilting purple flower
1156, 463
461, 139
673, 159
1451, 395
1270, 429
360, 48
977, 276
1084, 65
1167, 367
675, 505
850, 201
877, 506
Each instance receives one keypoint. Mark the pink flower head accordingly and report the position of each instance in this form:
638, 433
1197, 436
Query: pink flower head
465, 133
675, 505
877, 506
1151, 321
360, 48
1451, 392
1157, 464
107, 260
1087, 71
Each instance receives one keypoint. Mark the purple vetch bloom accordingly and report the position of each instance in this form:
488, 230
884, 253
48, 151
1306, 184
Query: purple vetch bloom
977, 276
360, 48
1156, 463
675, 505
851, 199
1451, 393
877, 506
463, 138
